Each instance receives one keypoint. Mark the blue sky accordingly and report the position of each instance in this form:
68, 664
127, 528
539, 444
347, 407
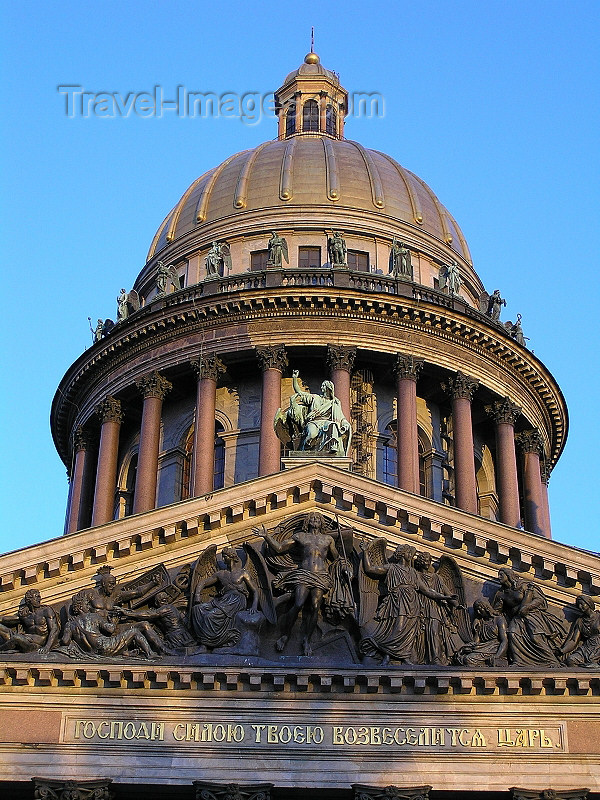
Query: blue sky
494, 105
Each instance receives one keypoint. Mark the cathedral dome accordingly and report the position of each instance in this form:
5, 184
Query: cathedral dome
311, 172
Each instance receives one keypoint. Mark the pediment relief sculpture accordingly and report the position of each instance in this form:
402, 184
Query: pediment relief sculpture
311, 589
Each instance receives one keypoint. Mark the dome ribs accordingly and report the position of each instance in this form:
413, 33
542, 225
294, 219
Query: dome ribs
158, 234
206, 192
240, 199
374, 176
410, 188
180, 205
331, 171
448, 238
286, 191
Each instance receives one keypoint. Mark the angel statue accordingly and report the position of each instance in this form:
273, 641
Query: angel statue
127, 303
218, 620
218, 260
392, 628
278, 251
314, 422
450, 280
445, 625
400, 262
165, 276
310, 567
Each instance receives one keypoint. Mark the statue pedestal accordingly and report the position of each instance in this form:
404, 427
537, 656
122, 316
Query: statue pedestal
300, 457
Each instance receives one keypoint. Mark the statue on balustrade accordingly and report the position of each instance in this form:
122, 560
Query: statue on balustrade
314, 422
400, 262
34, 628
396, 624
218, 260
88, 632
534, 632
336, 249
278, 251
490, 639
166, 275
220, 615
102, 329
127, 303
311, 569
495, 303
582, 645
450, 280
516, 331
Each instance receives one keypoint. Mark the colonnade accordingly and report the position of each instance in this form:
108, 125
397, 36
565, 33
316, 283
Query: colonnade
460, 389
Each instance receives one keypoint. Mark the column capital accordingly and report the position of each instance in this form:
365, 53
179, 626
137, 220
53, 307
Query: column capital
362, 792
47, 789
407, 366
340, 357
548, 794
503, 411
109, 410
461, 385
81, 440
154, 385
232, 791
531, 441
208, 366
273, 357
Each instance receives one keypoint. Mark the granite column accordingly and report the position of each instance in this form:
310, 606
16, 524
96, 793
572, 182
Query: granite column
111, 416
407, 371
505, 414
208, 368
273, 360
153, 387
461, 389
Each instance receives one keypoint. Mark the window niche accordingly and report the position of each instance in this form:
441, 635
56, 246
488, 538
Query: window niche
358, 260
309, 257
258, 260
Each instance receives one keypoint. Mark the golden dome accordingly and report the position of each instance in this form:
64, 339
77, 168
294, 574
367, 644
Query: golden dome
310, 173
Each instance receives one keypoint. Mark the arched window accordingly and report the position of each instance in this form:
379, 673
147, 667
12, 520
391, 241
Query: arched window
290, 120
331, 121
423, 489
219, 462
390, 455
126, 489
310, 116
219, 472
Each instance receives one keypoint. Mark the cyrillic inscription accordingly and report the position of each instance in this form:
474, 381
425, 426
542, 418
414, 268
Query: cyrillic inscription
399, 737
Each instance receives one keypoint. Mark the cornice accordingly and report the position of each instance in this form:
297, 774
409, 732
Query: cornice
186, 682
280, 294
176, 534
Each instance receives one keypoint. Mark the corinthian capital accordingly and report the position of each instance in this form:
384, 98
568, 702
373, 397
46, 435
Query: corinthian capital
272, 357
406, 366
232, 791
80, 440
390, 792
154, 385
339, 357
461, 385
109, 410
45, 789
503, 411
209, 366
531, 441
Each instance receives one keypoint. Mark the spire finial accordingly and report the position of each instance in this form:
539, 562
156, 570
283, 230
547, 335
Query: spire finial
312, 40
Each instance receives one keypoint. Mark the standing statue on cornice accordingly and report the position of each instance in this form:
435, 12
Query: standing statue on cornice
278, 251
33, 628
218, 260
164, 276
336, 249
495, 304
450, 279
314, 422
400, 262
127, 303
